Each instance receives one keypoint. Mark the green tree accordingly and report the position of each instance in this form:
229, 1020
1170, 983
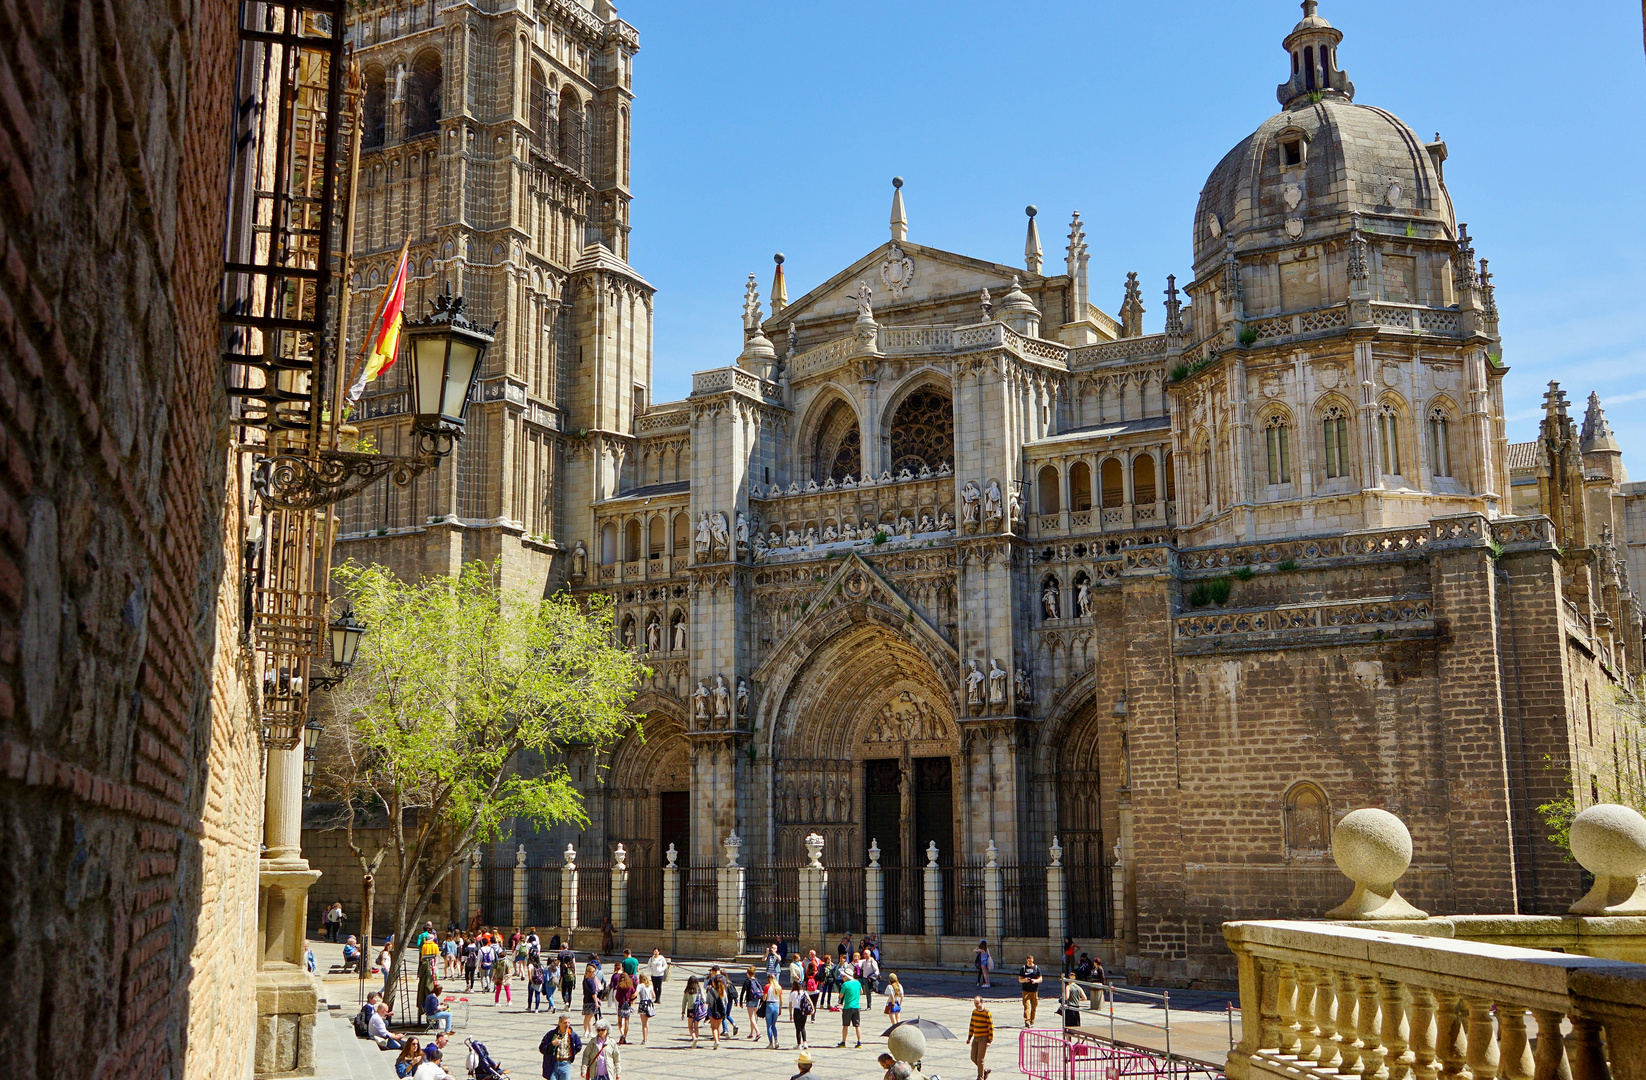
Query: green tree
457, 680
1617, 784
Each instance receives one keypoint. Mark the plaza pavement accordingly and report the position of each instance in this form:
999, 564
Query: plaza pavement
1199, 1027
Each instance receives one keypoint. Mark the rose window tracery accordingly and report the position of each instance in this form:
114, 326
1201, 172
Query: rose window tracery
922, 432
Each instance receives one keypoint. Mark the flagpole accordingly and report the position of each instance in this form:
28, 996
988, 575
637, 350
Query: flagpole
343, 291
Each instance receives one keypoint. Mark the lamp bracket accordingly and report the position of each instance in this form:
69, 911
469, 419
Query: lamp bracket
326, 682
312, 480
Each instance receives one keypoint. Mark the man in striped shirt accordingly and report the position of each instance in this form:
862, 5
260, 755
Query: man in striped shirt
980, 1033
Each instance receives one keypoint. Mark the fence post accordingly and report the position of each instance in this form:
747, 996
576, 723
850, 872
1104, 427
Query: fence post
934, 893
814, 895
568, 893
476, 896
874, 893
994, 899
671, 892
1057, 909
620, 889
733, 917
519, 911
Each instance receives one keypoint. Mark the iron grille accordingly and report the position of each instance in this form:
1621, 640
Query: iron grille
497, 895
1090, 900
963, 896
699, 898
905, 899
646, 898
543, 896
772, 895
1023, 893
594, 893
846, 914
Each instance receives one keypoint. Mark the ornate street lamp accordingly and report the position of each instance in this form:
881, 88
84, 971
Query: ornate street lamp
346, 633
311, 737
446, 351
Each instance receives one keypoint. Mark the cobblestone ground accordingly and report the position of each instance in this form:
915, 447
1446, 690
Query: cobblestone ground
1199, 1024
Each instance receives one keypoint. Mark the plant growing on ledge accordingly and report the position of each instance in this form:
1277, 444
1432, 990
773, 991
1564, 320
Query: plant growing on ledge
1211, 591
1286, 565
459, 681
1245, 573
1247, 337
1179, 373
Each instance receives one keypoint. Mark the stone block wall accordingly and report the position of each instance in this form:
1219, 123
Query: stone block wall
130, 768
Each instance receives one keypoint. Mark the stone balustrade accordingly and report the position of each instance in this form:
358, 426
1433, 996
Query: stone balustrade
1324, 1000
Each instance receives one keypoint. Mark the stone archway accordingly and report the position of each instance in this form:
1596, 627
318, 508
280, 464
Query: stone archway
1087, 763
647, 769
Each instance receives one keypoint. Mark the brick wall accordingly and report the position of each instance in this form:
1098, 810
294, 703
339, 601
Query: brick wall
129, 768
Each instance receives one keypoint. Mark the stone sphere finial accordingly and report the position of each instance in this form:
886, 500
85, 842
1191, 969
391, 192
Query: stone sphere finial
897, 181
1610, 841
1031, 210
906, 1043
1373, 849
778, 258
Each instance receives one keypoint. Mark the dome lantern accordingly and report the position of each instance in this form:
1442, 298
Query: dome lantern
1312, 45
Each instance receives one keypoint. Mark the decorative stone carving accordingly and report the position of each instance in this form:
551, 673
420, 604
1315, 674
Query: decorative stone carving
669, 857
654, 634
931, 855
722, 699
742, 531
974, 683
991, 505
580, 561
897, 271
864, 296
732, 845
997, 683
1057, 853
1610, 842
620, 859
719, 536
874, 853
906, 719
700, 704
680, 634
971, 497
1083, 598
1025, 688
1050, 599
570, 855
520, 856
814, 851
1373, 849
743, 698
700, 544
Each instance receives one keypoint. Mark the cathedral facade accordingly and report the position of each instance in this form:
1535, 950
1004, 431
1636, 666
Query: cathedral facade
950, 556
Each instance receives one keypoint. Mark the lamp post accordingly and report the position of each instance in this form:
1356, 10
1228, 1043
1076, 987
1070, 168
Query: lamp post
311, 737
346, 632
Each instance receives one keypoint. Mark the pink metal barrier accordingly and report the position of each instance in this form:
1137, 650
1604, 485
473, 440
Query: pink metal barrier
1055, 1054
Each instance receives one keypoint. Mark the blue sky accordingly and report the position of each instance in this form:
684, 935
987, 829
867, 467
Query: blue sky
765, 127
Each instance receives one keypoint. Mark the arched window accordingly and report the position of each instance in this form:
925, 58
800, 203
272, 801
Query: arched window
682, 534
1047, 483
1440, 445
1335, 423
1143, 479
542, 111
1114, 481
570, 150
1171, 477
1388, 434
1080, 486
1308, 821
608, 544
373, 110
838, 449
631, 546
1277, 438
922, 432
1206, 486
657, 535
423, 94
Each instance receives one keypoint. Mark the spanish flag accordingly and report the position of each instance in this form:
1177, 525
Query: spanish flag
384, 341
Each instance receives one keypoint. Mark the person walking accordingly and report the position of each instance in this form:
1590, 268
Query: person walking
894, 997
851, 1002
1074, 999
772, 1003
748, 995
488, 957
559, 1048
591, 992
868, 973
623, 998
720, 1004
501, 970
334, 922
979, 1034
694, 1007
831, 984
1029, 978
797, 971
1105, 992
645, 1003
631, 965
568, 976
600, 1055
658, 966
983, 962
471, 962
534, 984
608, 934
802, 1004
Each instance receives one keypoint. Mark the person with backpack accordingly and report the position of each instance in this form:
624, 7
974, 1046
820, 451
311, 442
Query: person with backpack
983, 962
568, 976
560, 1048
362, 1019
500, 979
748, 995
471, 962
802, 1005
488, 957
645, 1003
694, 1007
831, 983
622, 993
534, 984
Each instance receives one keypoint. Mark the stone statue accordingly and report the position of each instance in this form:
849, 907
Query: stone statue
1016, 504
945, 522
701, 543
792, 539
848, 531
722, 699
991, 504
654, 634
759, 547
700, 704
751, 306
1083, 598
865, 311
1025, 688
974, 684
742, 530
969, 497
925, 523
1049, 599
399, 83
997, 683
628, 635
906, 527
719, 537
580, 560
680, 635
829, 535
743, 698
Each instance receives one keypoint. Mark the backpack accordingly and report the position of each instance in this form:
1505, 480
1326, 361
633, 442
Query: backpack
805, 1008
700, 1008
362, 1023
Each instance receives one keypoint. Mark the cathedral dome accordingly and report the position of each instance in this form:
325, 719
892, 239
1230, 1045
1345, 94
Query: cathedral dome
1322, 157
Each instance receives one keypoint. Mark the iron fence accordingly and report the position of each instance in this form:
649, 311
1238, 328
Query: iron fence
772, 898
646, 897
846, 913
905, 899
1023, 894
699, 898
594, 893
497, 895
1090, 900
963, 893
543, 896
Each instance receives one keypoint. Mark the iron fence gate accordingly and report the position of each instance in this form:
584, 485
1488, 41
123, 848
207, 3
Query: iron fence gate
543, 896
846, 914
594, 893
1090, 900
963, 895
497, 896
1023, 892
699, 898
905, 899
772, 898
646, 898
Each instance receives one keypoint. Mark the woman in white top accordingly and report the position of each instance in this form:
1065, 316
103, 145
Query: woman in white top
658, 967
645, 1003
801, 1007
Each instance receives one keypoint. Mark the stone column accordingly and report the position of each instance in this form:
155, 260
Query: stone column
874, 892
814, 895
732, 914
287, 1001
474, 886
671, 892
568, 894
519, 905
934, 893
620, 889
1057, 910
994, 899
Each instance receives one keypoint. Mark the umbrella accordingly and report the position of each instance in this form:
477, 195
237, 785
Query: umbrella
929, 1028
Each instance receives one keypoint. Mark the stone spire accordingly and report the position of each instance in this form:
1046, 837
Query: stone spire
751, 307
1174, 308
758, 355
1312, 46
780, 288
1131, 308
1076, 261
1032, 253
1597, 433
900, 219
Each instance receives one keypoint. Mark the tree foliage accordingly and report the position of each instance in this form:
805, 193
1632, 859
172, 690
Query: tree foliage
1614, 785
457, 683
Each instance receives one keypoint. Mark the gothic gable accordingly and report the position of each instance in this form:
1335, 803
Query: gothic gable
905, 278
